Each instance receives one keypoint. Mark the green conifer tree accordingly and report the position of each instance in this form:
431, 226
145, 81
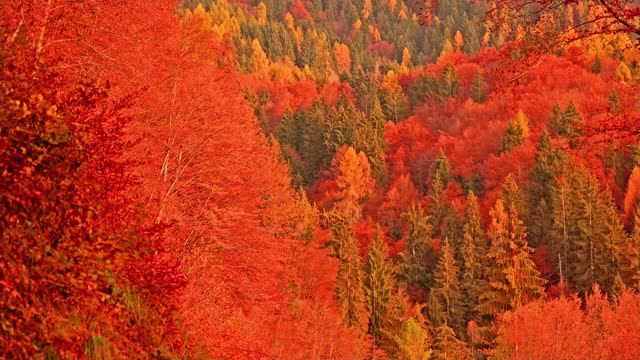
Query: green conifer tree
350, 296
378, 284
472, 250
478, 88
418, 255
513, 196
446, 345
517, 131
450, 84
447, 287
549, 161
512, 277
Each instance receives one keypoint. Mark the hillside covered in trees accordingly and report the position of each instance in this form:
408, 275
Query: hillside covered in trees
319, 179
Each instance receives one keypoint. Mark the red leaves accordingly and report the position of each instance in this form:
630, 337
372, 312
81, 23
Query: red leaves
559, 328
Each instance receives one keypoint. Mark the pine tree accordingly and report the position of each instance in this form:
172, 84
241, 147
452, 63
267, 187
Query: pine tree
447, 287
378, 284
614, 103
513, 196
549, 161
478, 88
517, 131
418, 255
444, 219
512, 277
450, 84
632, 253
555, 122
350, 296
472, 250
567, 123
446, 345
442, 167
412, 341
596, 67
587, 234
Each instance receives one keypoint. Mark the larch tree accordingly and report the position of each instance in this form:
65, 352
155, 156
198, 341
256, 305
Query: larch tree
353, 182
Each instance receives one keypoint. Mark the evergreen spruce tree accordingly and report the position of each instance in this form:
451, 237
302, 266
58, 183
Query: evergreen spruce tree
443, 217
549, 161
350, 296
614, 103
378, 284
447, 288
472, 251
596, 67
418, 255
442, 167
450, 84
513, 197
517, 131
587, 234
478, 88
512, 277
446, 345
567, 123
631, 254
555, 122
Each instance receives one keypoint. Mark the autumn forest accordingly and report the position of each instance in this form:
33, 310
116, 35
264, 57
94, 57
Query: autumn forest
319, 179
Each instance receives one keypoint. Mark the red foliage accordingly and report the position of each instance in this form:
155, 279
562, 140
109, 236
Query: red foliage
300, 12
77, 275
559, 328
383, 49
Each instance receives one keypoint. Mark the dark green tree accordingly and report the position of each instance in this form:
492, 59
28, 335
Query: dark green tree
614, 103
447, 288
596, 67
478, 88
517, 131
418, 255
513, 197
378, 283
567, 123
441, 166
512, 277
549, 162
447, 346
472, 251
450, 85
350, 296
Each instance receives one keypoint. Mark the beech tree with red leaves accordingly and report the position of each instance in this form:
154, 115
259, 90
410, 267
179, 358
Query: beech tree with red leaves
83, 270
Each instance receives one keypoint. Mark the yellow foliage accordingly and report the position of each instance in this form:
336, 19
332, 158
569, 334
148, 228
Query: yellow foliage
357, 25
288, 20
392, 5
406, 58
623, 73
261, 15
458, 41
367, 9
